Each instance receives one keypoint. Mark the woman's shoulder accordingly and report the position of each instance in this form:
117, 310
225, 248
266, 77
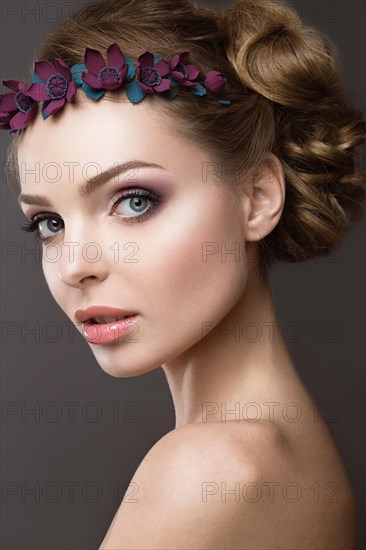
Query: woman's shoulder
181, 495
213, 445
295, 480
216, 484
216, 453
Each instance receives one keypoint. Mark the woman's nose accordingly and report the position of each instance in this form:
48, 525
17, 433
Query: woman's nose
81, 262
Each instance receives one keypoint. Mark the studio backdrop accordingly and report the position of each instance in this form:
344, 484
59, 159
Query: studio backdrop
71, 435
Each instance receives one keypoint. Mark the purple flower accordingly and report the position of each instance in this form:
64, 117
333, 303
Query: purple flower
215, 82
183, 72
57, 86
16, 108
151, 75
101, 75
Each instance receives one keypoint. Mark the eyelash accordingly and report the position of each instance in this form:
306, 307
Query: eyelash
155, 198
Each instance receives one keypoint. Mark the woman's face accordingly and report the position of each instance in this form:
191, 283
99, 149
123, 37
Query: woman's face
167, 260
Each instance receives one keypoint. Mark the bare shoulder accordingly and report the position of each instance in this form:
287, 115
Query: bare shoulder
216, 446
223, 451
188, 489
232, 486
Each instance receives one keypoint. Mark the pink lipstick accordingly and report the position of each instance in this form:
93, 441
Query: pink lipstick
99, 327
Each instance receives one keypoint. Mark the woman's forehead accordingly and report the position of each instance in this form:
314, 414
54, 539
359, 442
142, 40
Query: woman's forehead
86, 131
93, 124
104, 134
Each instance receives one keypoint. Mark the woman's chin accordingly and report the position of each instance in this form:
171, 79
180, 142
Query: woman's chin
121, 365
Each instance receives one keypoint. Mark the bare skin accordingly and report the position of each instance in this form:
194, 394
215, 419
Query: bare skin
284, 481
231, 394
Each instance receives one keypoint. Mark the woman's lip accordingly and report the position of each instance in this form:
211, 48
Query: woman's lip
101, 311
106, 333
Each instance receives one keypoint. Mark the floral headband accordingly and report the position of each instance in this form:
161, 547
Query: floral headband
55, 83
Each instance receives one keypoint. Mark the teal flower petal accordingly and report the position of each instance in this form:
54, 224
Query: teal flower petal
134, 92
91, 92
224, 101
44, 106
171, 94
36, 79
174, 83
156, 58
172, 79
199, 90
76, 71
131, 68
174, 88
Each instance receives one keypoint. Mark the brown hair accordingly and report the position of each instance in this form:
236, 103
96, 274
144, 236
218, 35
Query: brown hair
285, 83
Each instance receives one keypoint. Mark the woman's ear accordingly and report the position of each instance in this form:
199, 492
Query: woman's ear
264, 198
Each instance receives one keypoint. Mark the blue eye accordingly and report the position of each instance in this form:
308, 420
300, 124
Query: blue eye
137, 202
34, 225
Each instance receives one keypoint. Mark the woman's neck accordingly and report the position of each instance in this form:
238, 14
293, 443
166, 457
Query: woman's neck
242, 360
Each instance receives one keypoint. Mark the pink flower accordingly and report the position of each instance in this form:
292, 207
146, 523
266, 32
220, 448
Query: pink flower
55, 85
215, 82
101, 75
16, 108
183, 72
151, 75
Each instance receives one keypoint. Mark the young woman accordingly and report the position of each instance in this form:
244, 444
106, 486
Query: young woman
195, 148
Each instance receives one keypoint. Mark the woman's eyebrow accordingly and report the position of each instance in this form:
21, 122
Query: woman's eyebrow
90, 185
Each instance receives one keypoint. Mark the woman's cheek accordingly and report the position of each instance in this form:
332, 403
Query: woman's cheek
185, 270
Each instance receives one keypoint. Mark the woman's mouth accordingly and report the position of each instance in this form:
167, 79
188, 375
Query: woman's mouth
106, 330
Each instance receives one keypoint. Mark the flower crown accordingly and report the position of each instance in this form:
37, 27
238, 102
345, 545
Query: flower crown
55, 83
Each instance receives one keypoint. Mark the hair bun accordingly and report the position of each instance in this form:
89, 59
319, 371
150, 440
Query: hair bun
297, 69
278, 57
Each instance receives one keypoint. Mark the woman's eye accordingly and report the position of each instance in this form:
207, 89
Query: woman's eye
131, 206
48, 227
45, 227
127, 206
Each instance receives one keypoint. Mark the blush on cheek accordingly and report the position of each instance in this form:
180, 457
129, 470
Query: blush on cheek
187, 273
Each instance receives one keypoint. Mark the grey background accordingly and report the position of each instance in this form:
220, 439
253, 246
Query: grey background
45, 448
